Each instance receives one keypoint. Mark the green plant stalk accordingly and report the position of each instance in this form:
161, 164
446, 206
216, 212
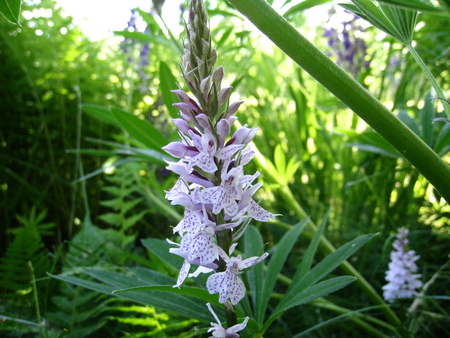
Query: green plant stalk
429, 76
35, 297
349, 91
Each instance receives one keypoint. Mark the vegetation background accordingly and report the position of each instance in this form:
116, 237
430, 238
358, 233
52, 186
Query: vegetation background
82, 184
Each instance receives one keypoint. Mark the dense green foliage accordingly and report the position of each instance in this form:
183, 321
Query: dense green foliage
82, 179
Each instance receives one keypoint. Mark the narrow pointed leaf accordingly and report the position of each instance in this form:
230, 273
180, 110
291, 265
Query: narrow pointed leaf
413, 4
276, 262
253, 244
141, 130
313, 292
327, 265
172, 302
308, 257
168, 83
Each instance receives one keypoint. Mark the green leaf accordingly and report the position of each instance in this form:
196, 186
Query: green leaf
253, 245
168, 301
308, 257
304, 5
201, 294
276, 263
320, 289
160, 249
413, 4
394, 21
141, 130
11, 10
279, 159
427, 115
443, 140
327, 265
409, 121
101, 113
168, 83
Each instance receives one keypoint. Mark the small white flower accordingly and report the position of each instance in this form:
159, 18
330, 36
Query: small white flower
219, 332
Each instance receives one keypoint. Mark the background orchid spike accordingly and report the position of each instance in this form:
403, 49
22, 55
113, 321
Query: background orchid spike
401, 277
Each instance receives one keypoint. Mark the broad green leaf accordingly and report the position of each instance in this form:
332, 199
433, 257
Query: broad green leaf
413, 4
11, 10
141, 130
178, 303
163, 300
201, 294
320, 289
136, 36
279, 254
101, 113
160, 249
253, 244
168, 83
304, 5
325, 266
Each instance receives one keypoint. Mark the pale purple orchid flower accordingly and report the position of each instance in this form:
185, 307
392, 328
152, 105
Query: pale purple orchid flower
218, 331
228, 284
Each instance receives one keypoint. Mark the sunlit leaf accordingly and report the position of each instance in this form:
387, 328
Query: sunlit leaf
304, 5
168, 83
413, 4
141, 130
11, 10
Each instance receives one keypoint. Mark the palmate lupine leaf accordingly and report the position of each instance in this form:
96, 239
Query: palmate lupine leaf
394, 21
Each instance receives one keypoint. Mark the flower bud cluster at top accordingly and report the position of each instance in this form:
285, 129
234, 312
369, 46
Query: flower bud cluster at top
401, 277
212, 187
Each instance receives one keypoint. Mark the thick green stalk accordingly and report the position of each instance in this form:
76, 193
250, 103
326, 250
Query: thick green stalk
349, 91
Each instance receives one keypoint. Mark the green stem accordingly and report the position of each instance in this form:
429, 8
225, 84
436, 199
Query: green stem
35, 297
349, 91
429, 76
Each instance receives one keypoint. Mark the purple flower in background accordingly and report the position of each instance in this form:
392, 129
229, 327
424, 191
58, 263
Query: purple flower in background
401, 276
130, 47
346, 43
